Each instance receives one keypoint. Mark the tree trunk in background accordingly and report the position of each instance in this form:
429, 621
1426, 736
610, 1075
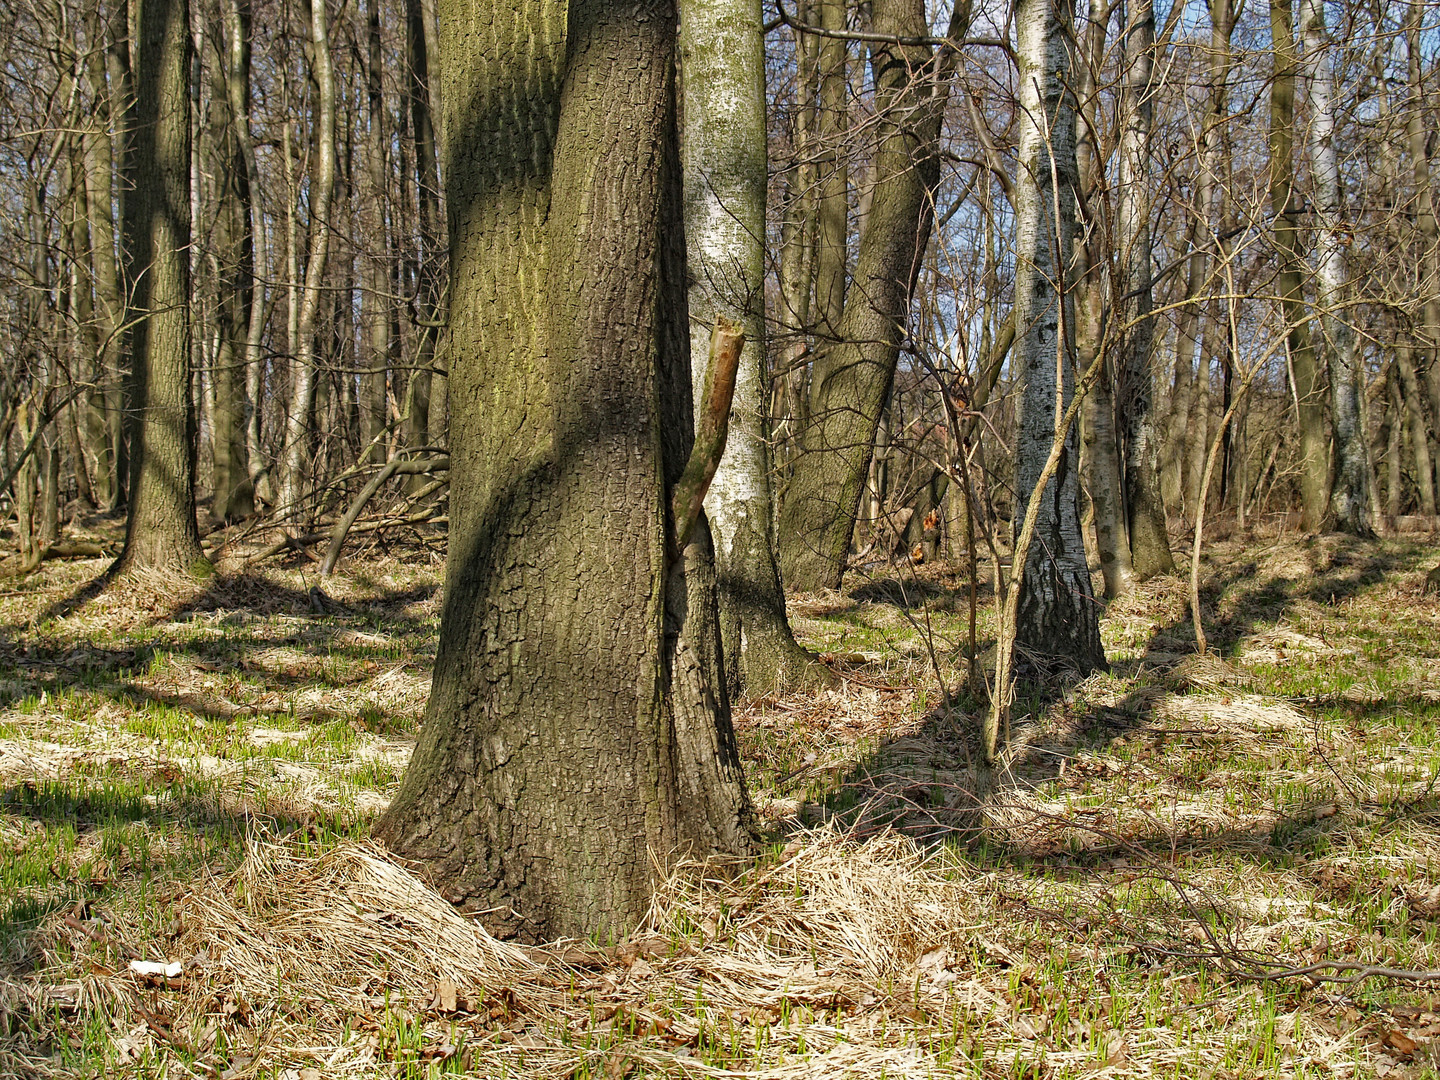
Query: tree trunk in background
1058, 619
304, 367
1149, 538
833, 205
724, 153
104, 415
255, 252
1101, 447
1286, 208
851, 378
1425, 219
1349, 491
232, 492
375, 304
1190, 410
419, 428
160, 528
578, 729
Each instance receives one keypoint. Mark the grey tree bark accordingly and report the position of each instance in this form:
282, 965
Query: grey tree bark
1349, 490
723, 150
1057, 623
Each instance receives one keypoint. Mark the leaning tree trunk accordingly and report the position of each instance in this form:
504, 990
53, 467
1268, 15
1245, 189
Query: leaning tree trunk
160, 528
1149, 539
578, 731
724, 156
1349, 492
1057, 623
851, 377
1285, 206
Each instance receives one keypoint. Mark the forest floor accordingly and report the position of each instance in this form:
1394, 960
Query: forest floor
187, 778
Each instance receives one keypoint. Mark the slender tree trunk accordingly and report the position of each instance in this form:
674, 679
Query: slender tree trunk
1057, 622
418, 426
1285, 206
1149, 538
724, 155
160, 528
1101, 447
375, 305
578, 730
1349, 493
1425, 217
322, 187
105, 413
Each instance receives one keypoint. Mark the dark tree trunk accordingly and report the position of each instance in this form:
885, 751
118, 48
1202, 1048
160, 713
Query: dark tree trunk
160, 529
578, 725
851, 378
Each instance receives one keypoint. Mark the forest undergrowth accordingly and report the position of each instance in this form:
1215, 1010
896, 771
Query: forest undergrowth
1186, 867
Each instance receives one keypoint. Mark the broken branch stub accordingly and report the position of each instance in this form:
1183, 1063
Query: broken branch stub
727, 341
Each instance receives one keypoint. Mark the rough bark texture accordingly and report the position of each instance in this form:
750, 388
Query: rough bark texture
1149, 540
1349, 491
1058, 621
1285, 206
851, 379
578, 726
724, 153
160, 528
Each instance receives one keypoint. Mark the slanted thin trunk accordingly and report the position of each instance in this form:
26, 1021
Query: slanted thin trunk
851, 379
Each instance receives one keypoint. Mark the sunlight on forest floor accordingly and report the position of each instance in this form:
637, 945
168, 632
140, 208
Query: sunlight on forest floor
189, 778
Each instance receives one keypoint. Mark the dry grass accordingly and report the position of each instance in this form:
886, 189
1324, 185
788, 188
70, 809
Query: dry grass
187, 775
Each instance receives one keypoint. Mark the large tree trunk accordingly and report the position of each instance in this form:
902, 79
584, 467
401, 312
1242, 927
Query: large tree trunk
1149, 539
851, 378
578, 728
160, 529
1285, 206
724, 155
1349, 492
1058, 622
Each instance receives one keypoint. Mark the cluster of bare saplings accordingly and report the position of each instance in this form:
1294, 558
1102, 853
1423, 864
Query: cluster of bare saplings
871, 280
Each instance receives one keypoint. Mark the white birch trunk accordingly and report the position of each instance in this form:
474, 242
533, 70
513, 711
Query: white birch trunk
1057, 622
724, 158
1349, 491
